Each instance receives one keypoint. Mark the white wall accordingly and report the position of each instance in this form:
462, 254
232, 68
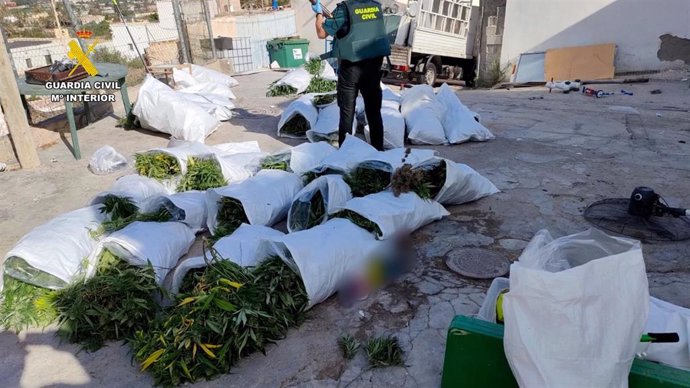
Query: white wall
633, 25
166, 15
37, 55
143, 34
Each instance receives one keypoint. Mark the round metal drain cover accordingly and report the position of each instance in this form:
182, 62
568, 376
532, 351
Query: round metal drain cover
477, 263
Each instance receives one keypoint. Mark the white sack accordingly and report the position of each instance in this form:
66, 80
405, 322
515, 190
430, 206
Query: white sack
393, 129
160, 243
217, 106
200, 74
327, 72
395, 156
238, 167
459, 122
353, 151
327, 124
57, 247
182, 151
302, 106
298, 78
423, 114
265, 197
342, 246
162, 109
406, 213
577, 327
665, 317
188, 207
236, 148
463, 184
136, 187
240, 247
334, 191
210, 88
308, 156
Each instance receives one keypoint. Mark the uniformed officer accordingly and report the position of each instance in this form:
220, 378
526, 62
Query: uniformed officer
359, 43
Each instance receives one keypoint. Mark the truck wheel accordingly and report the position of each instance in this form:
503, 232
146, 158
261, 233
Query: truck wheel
430, 74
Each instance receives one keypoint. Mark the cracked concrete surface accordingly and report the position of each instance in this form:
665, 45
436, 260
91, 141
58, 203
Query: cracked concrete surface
551, 158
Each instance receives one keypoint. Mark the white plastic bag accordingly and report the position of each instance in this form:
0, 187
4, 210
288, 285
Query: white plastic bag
327, 72
219, 107
200, 74
334, 191
240, 247
236, 148
265, 197
162, 109
327, 124
302, 106
210, 88
463, 184
405, 213
57, 248
353, 151
188, 207
488, 310
136, 187
665, 317
459, 122
323, 255
182, 151
308, 156
107, 161
238, 167
393, 128
160, 243
395, 156
298, 78
423, 114
579, 326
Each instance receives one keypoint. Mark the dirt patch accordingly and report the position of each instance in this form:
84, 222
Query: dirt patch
673, 48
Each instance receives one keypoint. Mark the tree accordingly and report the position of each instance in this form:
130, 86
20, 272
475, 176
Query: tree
153, 18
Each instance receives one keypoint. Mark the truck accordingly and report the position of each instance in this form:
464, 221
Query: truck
432, 40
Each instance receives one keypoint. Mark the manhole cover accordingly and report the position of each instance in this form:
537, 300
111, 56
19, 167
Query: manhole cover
477, 263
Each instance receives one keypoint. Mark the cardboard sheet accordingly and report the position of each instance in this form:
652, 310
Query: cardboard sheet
582, 62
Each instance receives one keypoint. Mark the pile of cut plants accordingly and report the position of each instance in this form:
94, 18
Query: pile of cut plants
227, 313
99, 272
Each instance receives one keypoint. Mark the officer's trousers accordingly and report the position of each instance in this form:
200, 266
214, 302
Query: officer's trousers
353, 78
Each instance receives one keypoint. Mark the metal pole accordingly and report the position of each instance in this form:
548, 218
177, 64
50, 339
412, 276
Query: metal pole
75, 22
207, 16
122, 17
180, 31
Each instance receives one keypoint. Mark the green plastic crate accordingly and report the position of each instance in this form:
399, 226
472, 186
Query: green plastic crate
288, 53
475, 359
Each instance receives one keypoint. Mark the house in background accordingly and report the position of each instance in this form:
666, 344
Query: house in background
649, 35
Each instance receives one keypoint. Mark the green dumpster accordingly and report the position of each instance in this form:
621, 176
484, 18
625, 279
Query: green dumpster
288, 52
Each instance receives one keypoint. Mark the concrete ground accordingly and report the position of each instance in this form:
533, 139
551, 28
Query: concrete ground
551, 158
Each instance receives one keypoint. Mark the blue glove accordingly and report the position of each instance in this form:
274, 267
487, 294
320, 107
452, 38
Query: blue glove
316, 7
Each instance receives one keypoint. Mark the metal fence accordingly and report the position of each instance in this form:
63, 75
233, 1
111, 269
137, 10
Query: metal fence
195, 21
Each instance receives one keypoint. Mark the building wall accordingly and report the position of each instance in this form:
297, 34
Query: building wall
166, 15
491, 36
635, 26
143, 34
37, 55
260, 28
